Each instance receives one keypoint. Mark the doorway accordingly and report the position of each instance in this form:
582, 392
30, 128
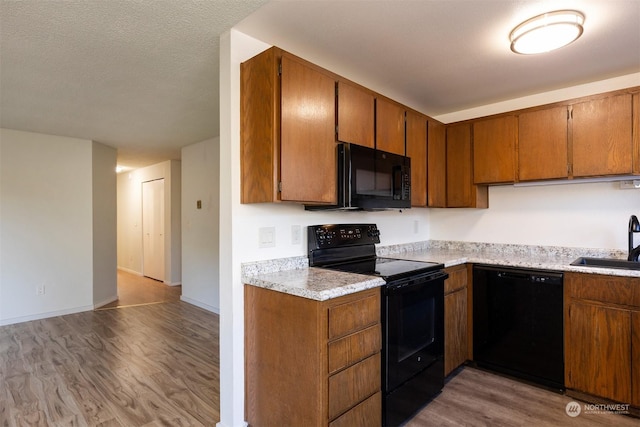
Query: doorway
153, 244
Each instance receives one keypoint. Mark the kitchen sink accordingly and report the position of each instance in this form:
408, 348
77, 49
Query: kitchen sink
607, 263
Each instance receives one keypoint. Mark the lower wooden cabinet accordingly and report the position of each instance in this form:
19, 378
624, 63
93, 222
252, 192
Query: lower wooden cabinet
455, 318
602, 336
312, 363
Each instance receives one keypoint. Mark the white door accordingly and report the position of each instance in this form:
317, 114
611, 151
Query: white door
153, 229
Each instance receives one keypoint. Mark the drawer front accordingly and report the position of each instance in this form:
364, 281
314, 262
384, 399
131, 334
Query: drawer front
353, 348
457, 278
366, 414
351, 386
350, 317
606, 289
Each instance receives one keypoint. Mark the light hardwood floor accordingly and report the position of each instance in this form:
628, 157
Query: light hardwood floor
147, 365
135, 290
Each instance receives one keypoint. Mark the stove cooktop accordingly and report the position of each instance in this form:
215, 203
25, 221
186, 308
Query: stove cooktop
388, 268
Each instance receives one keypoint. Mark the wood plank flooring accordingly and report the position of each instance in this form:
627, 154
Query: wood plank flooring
135, 290
148, 365
477, 398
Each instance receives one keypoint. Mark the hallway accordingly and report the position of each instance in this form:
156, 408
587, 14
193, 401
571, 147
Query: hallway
139, 290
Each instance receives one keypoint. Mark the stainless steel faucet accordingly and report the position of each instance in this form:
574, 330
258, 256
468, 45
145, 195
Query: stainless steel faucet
634, 227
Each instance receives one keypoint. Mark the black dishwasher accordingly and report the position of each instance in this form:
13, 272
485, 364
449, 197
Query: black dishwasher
518, 323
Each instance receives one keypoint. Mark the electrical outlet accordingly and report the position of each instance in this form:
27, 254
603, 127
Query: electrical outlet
40, 290
267, 237
296, 235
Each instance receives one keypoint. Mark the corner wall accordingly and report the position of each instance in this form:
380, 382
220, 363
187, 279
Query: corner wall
47, 235
200, 226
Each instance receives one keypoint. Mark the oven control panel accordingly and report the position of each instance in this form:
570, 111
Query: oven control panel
338, 235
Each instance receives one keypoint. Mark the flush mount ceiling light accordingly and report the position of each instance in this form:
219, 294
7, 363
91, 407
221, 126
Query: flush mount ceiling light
547, 32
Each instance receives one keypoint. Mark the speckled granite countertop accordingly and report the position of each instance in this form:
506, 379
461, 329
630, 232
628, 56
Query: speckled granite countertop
293, 276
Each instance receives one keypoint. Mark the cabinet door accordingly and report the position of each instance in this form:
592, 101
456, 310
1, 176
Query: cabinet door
389, 126
417, 150
308, 150
494, 150
599, 362
602, 140
455, 327
356, 114
542, 144
461, 193
436, 165
635, 358
636, 133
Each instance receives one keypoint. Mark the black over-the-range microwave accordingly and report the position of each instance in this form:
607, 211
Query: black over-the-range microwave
370, 179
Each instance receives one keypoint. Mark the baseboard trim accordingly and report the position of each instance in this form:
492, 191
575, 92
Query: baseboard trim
105, 301
137, 273
21, 319
200, 304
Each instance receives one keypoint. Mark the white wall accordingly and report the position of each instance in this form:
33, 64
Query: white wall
200, 239
103, 190
590, 215
129, 214
47, 224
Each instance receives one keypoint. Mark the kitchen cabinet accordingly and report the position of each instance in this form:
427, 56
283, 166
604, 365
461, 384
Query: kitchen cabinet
461, 193
455, 318
417, 151
636, 133
312, 363
602, 336
602, 136
356, 114
543, 144
436, 165
287, 111
390, 126
494, 150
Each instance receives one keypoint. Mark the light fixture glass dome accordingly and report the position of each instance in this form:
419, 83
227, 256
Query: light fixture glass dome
547, 32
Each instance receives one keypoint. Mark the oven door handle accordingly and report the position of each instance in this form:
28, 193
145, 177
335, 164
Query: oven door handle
410, 282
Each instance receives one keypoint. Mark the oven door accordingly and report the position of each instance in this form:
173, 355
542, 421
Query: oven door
413, 320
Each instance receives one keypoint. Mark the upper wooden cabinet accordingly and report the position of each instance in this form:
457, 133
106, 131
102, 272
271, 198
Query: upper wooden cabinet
494, 142
356, 114
286, 121
636, 133
602, 136
390, 121
542, 144
461, 193
417, 151
436, 165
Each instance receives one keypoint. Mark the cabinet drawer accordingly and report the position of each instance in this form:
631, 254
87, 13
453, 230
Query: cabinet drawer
352, 348
457, 278
351, 386
606, 289
350, 317
366, 414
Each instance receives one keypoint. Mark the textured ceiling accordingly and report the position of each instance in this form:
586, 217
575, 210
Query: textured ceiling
142, 75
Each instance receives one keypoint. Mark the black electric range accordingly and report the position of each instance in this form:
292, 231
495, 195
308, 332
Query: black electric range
351, 248
412, 314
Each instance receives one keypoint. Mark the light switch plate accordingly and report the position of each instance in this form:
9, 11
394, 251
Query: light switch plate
296, 234
267, 237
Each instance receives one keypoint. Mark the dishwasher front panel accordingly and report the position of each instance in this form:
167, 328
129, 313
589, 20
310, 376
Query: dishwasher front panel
518, 323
